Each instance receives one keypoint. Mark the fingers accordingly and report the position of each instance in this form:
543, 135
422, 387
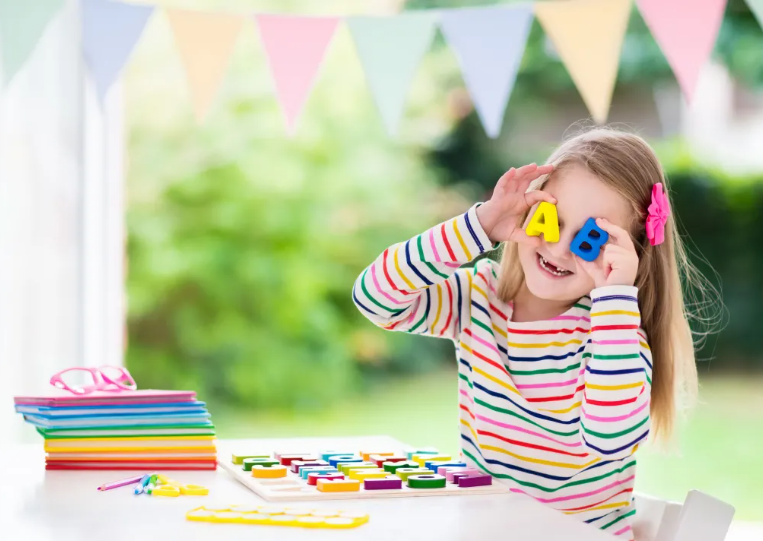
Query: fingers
539, 171
525, 169
536, 196
593, 269
534, 169
519, 236
530, 175
505, 178
518, 180
612, 254
545, 169
613, 250
618, 257
519, 183
508, 181
617, 234
623, 264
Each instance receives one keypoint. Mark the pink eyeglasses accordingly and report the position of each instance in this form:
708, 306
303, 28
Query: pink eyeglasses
104, 378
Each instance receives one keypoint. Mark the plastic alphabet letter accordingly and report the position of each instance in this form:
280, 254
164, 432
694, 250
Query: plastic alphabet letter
589, 240
546, 221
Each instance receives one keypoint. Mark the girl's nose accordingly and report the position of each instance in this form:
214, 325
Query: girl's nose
561, 250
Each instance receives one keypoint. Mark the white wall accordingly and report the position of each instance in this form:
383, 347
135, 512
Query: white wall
60, 222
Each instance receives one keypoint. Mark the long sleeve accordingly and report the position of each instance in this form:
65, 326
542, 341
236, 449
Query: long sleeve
415, 286
616, 399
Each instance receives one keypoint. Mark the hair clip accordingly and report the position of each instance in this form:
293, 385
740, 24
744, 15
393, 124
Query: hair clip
659, 210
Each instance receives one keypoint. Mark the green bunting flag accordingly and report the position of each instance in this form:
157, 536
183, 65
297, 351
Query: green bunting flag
22, 23
390, 49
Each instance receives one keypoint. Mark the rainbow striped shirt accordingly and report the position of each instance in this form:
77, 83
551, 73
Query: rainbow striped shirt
555, 408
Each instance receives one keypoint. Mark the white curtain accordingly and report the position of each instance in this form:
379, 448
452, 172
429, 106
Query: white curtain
61, 235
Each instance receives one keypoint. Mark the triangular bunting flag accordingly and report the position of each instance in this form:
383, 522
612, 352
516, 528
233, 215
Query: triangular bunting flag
686, 31
295, 47
110, 30
22, 23
489, 44
390, 49
588, 35
756, 6
205, 41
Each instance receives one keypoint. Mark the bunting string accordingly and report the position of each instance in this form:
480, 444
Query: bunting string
489, 43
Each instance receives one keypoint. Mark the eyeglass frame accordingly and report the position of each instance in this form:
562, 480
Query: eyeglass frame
125, 381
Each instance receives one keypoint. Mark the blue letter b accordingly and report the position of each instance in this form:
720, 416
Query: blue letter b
589, 240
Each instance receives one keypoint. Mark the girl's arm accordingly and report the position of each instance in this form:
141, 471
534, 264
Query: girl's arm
416, 287
618, 375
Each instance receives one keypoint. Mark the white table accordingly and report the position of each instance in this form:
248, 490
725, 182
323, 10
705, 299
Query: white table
36, 505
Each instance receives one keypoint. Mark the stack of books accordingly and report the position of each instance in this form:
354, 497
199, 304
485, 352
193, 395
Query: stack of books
126, 430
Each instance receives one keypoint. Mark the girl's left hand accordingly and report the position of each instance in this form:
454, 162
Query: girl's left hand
617, 265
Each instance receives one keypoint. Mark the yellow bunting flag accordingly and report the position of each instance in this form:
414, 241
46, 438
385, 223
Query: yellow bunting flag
588, 35
205, 42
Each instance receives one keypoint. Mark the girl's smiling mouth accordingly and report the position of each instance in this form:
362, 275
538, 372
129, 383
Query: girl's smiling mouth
552, 269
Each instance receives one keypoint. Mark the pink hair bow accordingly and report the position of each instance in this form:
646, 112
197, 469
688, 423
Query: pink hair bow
659, 211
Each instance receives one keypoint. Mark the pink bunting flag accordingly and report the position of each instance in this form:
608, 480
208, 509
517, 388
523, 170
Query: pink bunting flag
686, 31
295, 47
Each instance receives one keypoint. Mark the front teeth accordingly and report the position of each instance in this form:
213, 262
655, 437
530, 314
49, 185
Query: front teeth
544, 264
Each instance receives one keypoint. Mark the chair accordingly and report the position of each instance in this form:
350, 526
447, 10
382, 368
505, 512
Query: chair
700, 518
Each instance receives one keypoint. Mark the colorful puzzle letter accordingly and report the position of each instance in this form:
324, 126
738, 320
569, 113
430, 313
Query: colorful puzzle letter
239, 459
293, 516
426, 481
589, 240
346, 467
313, 478
423, 451
436, 464
296, 465
250, 462
287, 459
366, 455
362, 475
392, 467
388, 483
546, 221
272, 471
336, 459
475, 480
338, 485
304, 472
405, 473
379, 460
451, 473
326, 454
423, 458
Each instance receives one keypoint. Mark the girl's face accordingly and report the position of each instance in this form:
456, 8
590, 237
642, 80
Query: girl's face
551, 271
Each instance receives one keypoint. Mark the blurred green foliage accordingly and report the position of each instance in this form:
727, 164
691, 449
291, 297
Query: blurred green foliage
244, 243
722, 218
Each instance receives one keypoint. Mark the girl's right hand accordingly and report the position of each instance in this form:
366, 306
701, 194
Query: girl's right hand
500, 216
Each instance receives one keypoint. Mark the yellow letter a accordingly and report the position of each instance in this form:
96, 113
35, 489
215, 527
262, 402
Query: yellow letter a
544, 221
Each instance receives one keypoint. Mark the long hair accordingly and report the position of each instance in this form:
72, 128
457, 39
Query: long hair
665, 278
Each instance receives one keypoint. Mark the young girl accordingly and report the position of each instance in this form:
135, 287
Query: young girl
564, 365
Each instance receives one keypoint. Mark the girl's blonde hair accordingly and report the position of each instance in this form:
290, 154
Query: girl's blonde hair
626, 162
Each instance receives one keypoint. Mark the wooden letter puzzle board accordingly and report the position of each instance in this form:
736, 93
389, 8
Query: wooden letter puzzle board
293, 487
